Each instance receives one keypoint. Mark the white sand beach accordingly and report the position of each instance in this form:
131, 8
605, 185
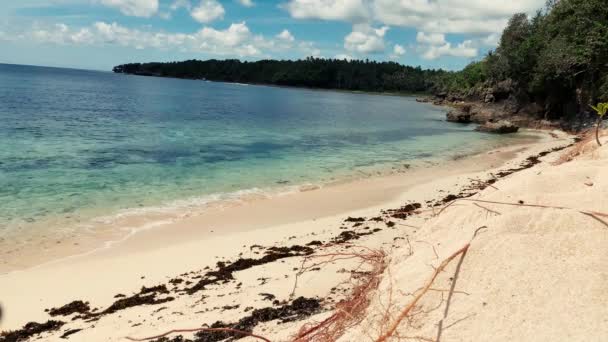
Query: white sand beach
535, 271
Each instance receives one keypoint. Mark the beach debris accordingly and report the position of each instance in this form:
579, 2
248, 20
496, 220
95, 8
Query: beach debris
351, 310
224, 272
69, 332
405, 211
298, 309
76, 306
147, 296
315, 243
268, 296
349, 235
29, 330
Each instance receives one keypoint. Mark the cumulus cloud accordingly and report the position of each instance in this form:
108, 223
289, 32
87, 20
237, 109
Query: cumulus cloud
208, 11
137, 8
443, 16
235, 40
398, 50
451, 16
491, 40
365, 39
286, 36
61, 34
432, 38
177, 4
308, 49
464, 49
346, 10
246, 3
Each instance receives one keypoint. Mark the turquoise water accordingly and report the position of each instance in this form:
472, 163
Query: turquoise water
79, 144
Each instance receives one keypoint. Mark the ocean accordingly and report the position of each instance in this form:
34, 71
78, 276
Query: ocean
78, 147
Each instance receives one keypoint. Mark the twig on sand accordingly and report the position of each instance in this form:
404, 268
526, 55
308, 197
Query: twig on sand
593, 214
432, 246
244, 333
488, 209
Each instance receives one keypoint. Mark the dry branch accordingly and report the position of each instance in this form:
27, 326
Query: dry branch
487, 209
593, 214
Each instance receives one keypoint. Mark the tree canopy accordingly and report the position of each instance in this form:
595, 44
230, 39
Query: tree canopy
313, 72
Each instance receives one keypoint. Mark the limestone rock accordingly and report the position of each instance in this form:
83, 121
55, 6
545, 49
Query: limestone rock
498, 127
459, 116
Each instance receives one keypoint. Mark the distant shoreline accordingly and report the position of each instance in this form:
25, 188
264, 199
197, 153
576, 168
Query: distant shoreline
368, 92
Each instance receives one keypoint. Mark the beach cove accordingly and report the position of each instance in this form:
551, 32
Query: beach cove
320, 221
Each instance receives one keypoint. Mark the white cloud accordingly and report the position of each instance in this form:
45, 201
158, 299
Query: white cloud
346, 10
308, 49
246, 3
431, 38
442, 16
177, 4
236, 40
464, 49
286, 36
235, 35
398, 50
61, 34
491, 40
452, 16
207, 11
365, 39
137, 8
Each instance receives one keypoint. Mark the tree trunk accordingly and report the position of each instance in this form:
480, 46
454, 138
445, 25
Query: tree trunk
597, 131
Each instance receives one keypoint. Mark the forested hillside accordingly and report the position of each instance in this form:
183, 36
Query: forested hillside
310, 72
556, 60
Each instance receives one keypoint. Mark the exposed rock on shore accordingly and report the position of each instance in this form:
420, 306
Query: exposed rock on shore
499, 127
493, 102
459, 116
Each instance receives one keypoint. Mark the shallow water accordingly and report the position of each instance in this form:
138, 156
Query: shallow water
76, 145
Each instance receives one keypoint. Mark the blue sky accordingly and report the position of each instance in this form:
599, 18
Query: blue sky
98, 34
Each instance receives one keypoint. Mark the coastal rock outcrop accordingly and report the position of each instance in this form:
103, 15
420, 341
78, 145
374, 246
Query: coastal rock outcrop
498, 127
459, 116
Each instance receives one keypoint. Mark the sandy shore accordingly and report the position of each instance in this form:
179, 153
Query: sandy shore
531, 271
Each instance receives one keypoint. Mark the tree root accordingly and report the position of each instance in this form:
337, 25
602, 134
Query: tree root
408, 309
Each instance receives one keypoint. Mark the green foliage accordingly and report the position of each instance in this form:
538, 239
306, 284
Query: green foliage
559, 57
601, 109
311, 72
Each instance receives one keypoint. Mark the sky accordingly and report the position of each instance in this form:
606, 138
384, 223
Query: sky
99, 34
